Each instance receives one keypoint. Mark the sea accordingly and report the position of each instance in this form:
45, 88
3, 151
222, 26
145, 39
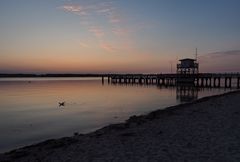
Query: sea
30, 110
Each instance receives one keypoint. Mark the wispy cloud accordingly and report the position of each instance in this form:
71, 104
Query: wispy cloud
92, 16
77, 9
120, 31
223, 54
221, 61
114, 19
82, 44
72, 8
97, 31
108, 47
104, 10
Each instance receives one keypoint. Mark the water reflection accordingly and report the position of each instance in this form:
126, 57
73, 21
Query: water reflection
29, 108
186, 93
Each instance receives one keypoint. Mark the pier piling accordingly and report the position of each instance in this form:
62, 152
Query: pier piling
238, 82
102, 79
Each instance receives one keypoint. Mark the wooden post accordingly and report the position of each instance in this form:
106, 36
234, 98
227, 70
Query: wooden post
230, 82
226, 82
163, 81
102, 79
197, 81
202, 82
238, 82
210, 82
206, 82
167, 82
219, 82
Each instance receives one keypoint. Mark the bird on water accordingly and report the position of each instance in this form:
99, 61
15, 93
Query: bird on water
61, 104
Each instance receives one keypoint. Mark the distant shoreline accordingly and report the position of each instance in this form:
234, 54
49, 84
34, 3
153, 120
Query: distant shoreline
92, 75
205, 129
48, 75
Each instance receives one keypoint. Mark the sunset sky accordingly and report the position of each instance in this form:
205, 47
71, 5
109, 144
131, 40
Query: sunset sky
122, 36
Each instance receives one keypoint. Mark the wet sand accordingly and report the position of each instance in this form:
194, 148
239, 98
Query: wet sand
205, 130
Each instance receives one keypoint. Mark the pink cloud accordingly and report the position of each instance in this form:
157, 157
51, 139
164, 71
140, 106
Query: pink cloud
108, 47
120, 31
97, 31
114, 18
104, 11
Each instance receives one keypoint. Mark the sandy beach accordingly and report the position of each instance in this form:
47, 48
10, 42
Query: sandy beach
205, 130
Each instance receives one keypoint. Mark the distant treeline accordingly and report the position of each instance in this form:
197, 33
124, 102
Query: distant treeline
49, 75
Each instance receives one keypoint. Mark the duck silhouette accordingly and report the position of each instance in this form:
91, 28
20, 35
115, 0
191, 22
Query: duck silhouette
61, 103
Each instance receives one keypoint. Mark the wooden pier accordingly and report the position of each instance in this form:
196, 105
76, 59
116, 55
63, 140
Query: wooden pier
226, 80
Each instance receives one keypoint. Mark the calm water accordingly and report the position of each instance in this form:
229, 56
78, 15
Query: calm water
29, 110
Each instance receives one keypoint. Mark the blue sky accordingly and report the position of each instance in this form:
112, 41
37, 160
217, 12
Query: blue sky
79, 36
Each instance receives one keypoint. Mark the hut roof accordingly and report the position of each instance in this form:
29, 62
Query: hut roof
187, 59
